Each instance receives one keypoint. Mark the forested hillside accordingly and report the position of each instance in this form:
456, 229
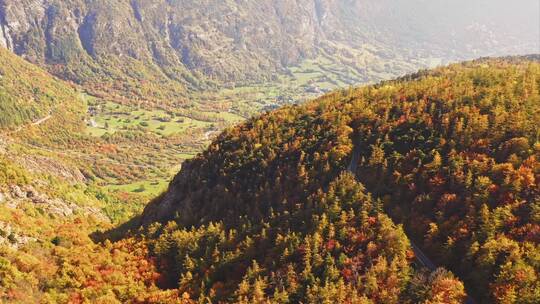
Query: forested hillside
29, 94
447, 159
267, 214
341, 199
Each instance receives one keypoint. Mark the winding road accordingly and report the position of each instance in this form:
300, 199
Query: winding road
421, 257
42, 120
35, 123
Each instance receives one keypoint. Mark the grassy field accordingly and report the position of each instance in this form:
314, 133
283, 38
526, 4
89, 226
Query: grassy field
171, 138
149, 187
305, 81
109, 117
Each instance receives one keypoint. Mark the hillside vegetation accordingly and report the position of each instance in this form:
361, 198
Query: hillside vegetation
266, 213
52, 200
323, 202
50, 125
447, 159
29, 94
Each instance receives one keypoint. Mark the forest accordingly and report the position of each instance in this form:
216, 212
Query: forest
270, 212
448, 159
212, 152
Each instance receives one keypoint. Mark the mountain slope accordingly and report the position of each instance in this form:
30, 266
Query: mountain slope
336, 247
450, 153
50, 204
48, 126
125, 49
29, 94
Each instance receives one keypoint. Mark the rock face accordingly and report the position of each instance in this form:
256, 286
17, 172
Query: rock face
19, 195
225, 40
247, 41
12, 238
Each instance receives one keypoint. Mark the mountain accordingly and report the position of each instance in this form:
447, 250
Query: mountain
346, 198
447, 158
424, 189
161, 50
166, 76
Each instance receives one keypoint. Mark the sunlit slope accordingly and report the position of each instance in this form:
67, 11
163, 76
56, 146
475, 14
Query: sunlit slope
451, 153
29, 94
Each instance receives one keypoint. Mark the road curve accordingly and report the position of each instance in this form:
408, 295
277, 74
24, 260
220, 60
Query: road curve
34, 123
42, 120
420, 256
